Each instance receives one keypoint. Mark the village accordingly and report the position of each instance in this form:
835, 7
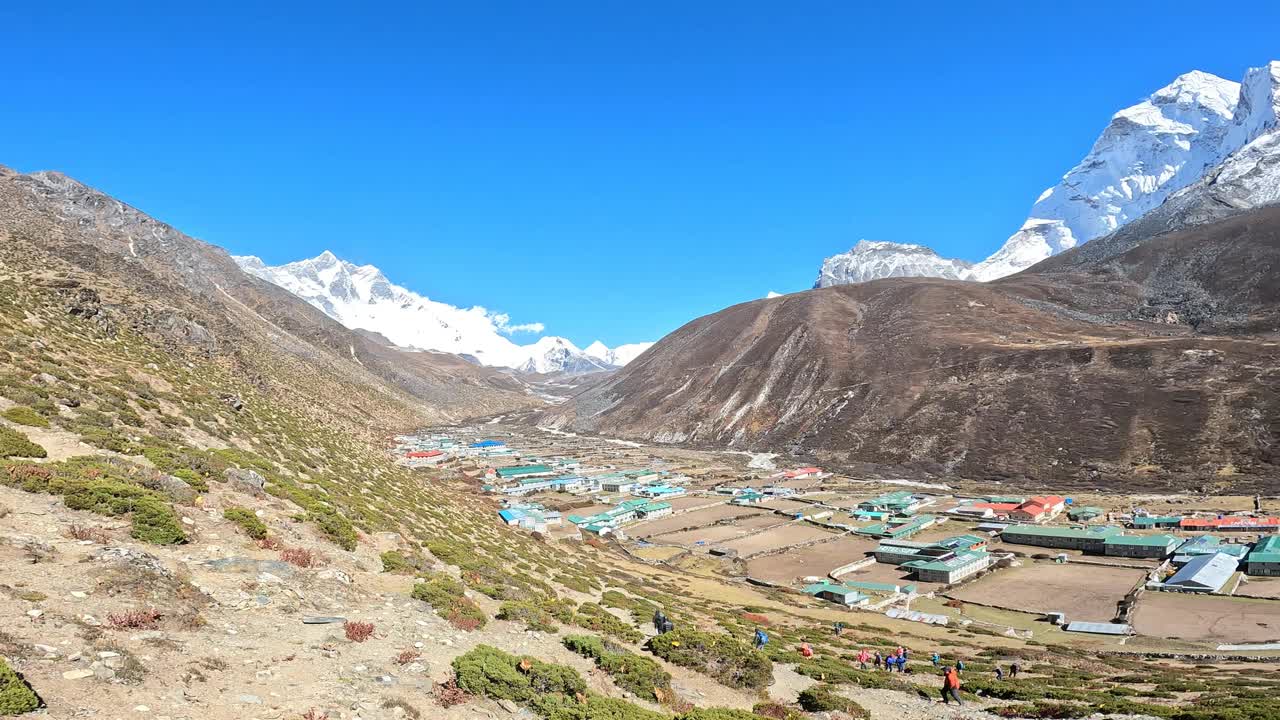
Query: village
1100, 569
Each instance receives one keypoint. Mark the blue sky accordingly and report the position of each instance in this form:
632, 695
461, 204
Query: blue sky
610, 169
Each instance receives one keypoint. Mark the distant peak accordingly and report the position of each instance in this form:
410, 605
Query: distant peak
874, 245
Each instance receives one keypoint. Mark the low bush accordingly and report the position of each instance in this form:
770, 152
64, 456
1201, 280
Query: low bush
634, 673
357, 631
143, 619
247, 521
394, 561
775, 711
539, 615
15, 444
300, 557
594, 617
1048, 711
24, 415
447, 596
834, 671
15, 697
155, 522
729, 661
823, 698
717, 714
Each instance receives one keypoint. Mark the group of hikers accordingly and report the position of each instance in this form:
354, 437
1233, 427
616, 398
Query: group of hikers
895, 660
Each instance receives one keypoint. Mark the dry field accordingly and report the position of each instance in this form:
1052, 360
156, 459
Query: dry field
813, 560
1083, 592
793, 533
1260, 587
1185, 616
720, 533
786, 505
688, 502
694, 519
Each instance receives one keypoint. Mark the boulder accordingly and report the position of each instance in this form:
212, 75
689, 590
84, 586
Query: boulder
247, 481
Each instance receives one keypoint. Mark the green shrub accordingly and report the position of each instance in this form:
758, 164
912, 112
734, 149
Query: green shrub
834, 671
594, 617
823, 698
394, 561
729, 661
154, 522
247, 520
109, 440
539, 615
335, 527
598, 707
15, 697
192, 478
492, 673
15, 444
775, 711
631, 672
1049, 711
447, 596
26, 416
717, 714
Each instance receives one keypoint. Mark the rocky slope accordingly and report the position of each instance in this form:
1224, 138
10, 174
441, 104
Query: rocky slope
1180, 136
361, 297
141, 273
1159, 359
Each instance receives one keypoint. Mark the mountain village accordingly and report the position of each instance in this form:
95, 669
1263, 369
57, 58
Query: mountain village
1052, 564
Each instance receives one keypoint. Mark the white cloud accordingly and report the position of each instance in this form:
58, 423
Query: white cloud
502, 322
773, 294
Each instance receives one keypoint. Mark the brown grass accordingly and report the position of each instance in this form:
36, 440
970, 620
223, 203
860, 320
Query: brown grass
144, 619
358, 631
301, 557
449, 694
407, 656
94, 534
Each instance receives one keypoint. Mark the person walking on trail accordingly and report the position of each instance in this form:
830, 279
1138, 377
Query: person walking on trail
878, 659
805, 650
667, 626
1013, 670
936, 657
888, 663
862, 659
951, 686
658, 619
960, 666
999, 673
838, 627
759, 640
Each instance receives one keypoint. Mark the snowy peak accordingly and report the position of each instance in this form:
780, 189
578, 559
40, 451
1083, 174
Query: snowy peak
1146, 153
618, 356
873, 260
361, 297
1258, 111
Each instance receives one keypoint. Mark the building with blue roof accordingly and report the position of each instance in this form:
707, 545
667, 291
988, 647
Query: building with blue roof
1204, 573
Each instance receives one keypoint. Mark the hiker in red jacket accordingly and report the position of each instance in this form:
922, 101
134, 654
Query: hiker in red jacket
951, 686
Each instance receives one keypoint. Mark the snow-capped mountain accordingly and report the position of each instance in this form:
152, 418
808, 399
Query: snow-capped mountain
1198, 127
618, 356
872, 260
361, 297
1146, 153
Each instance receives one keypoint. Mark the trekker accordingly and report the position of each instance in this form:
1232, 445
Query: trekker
758, 642
999, 673
960, 665
936, 657
879, 658
838, 627
951, 686
888, 662
667, 626
862, 659
1013, 670
805, 650
658, 619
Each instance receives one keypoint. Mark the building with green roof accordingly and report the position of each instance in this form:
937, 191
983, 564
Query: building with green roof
901, 502
1085, 513
952, 569
1264, 559
516, 472
1149, 522
898, 528
1140, 546
1088, 539
841, 594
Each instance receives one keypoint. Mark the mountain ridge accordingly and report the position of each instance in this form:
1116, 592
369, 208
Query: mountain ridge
362, 297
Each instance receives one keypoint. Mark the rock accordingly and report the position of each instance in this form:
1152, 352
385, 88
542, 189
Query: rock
246, 481
509, 706
139, 560
44, 378
175, 487
336, 575
249, 700
68, 402
79, 594
322, 620
249, 566
48, 650
102, 672
77, 674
